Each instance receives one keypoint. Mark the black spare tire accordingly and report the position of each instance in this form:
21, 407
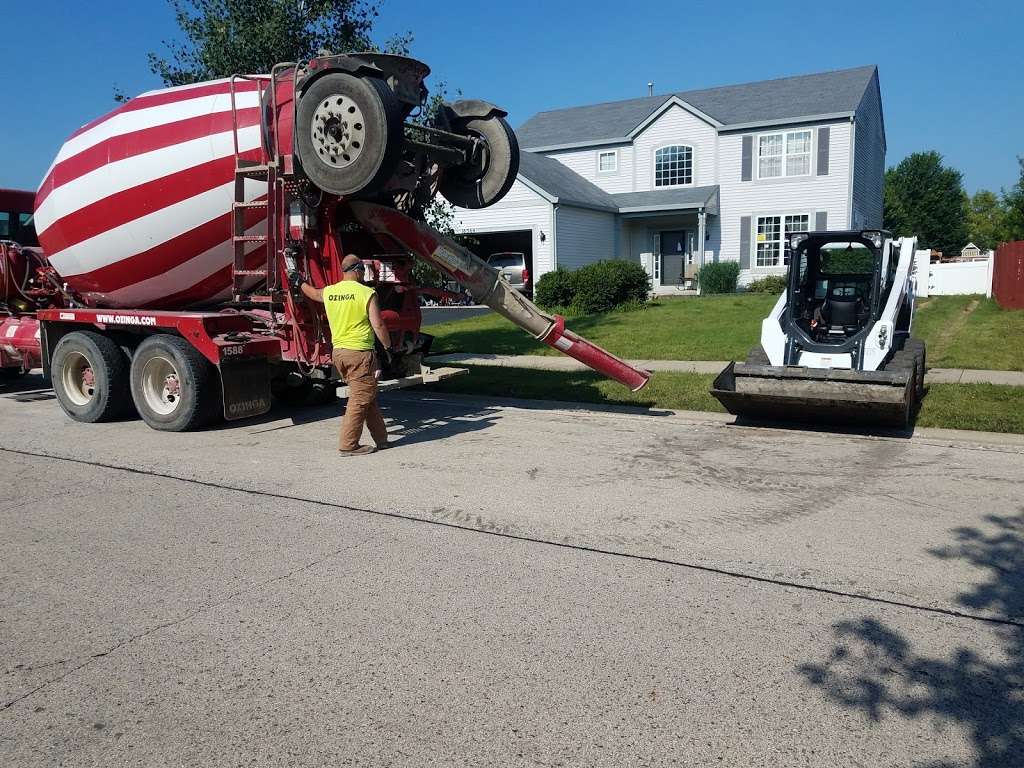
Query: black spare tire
486, 179
348, 133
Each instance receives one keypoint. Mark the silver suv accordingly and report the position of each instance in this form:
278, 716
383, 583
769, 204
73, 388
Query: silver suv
513, 266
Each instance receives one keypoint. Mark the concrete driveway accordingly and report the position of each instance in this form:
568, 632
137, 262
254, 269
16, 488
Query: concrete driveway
510, 585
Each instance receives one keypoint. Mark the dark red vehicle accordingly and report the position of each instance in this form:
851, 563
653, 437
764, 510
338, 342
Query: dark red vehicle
170, 225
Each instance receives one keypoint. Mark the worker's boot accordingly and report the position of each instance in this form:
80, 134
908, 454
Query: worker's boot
361, 450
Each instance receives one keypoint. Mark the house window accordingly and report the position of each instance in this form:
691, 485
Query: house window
784, 154
773, 237
673, 166
607, 162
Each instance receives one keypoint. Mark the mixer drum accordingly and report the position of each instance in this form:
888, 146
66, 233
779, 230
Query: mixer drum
135, 210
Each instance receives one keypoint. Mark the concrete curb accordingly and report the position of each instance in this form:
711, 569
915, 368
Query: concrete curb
545, 363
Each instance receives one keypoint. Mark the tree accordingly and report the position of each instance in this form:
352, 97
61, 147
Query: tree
1013, 201
224, 37
986, 220
925, 198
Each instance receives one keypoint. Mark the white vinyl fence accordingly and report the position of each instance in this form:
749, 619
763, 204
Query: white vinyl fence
953, 277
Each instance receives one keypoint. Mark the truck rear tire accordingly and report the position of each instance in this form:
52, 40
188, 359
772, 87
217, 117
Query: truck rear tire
174, 387
89, 374
348, 133
480, 184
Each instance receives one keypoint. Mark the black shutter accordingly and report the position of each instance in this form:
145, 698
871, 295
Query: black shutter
823, 138
744, 242
748, 159
821, 221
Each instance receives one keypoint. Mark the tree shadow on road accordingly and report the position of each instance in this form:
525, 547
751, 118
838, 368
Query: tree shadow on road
874, 668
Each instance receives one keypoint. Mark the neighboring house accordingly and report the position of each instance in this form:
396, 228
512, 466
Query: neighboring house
970, 252
675, 181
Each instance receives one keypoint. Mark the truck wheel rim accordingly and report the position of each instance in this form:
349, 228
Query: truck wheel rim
338, 131
78, 379
161, 386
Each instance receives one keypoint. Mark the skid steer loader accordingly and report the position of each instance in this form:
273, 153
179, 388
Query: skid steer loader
837, 346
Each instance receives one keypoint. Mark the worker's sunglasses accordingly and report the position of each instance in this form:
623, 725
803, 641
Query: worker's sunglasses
360, 267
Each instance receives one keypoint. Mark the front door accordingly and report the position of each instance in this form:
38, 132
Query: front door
675, 254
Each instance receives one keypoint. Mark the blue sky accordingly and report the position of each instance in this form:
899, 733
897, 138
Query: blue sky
952, 73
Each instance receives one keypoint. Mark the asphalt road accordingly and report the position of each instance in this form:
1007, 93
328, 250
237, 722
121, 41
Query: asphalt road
507, 586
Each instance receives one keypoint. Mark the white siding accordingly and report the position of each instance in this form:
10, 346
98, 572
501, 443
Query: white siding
807, 194
675, 126
584, 236
869, 162
584, 162
520, 209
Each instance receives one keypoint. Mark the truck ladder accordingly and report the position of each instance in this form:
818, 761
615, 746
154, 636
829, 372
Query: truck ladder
272, 202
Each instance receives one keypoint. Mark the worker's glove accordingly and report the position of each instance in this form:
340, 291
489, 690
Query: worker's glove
387, 356
295, 280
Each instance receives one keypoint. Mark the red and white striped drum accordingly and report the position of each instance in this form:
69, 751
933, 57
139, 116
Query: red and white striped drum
135, 210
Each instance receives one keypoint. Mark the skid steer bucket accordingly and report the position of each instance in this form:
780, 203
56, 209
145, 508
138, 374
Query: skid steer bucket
816, 395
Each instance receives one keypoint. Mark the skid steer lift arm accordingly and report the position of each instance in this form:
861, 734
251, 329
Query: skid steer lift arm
487, 286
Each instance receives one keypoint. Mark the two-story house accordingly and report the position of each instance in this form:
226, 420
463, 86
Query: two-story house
676, 181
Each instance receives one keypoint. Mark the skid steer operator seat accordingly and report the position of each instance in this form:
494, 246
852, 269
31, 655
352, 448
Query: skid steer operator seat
842, 313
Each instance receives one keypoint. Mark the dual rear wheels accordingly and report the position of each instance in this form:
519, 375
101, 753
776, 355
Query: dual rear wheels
165, 379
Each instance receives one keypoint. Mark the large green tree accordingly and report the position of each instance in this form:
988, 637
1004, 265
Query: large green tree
986, 219
223, 37
1013, 200
923, 197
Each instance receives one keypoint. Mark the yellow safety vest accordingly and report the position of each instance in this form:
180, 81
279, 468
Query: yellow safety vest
347, 304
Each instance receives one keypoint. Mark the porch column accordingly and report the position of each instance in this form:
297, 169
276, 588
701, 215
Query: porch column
701, 226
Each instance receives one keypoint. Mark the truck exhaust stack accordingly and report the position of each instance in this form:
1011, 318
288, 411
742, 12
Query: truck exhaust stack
486, 285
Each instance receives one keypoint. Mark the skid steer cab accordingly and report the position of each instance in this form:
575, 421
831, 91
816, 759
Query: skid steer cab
837, 346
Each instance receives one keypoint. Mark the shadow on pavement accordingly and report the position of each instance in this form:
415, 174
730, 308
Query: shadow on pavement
874, 668
27, 388
409, 421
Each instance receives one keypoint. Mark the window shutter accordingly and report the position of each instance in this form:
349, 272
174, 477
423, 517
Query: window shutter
748, 159
823, 137
821, 221
744, 242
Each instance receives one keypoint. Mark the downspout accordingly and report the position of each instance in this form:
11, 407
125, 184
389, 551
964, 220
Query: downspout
853, 169
554, 236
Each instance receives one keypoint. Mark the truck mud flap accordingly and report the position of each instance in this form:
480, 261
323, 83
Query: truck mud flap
245, 384
813, 396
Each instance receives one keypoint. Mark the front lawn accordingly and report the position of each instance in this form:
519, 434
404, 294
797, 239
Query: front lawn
960, 331
984, 407
704, 328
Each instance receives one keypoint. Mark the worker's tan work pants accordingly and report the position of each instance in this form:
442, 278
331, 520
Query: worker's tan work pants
357, 368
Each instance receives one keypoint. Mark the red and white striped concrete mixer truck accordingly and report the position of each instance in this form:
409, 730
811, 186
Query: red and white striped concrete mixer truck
168, 228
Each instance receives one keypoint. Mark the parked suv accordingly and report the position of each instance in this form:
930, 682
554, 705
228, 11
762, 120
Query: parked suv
513, 266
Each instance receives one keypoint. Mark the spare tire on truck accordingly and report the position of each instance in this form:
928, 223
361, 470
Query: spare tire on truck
486, 179
348, 133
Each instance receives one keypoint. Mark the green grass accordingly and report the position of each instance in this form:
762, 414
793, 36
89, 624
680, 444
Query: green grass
971, 332
960, 331
985, 407
706, 328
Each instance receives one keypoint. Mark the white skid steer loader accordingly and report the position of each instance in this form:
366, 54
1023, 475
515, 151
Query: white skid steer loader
837, 346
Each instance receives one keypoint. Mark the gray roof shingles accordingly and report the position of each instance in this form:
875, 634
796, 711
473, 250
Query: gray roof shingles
824, 93
570, 188
684, 197
564, 183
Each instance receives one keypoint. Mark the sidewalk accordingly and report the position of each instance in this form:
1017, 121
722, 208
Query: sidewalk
562, 363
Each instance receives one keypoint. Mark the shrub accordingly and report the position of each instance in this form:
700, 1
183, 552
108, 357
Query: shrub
555, 289
719, 277
605, 285
768, 284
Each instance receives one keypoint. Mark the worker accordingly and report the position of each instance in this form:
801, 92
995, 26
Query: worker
354, 318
